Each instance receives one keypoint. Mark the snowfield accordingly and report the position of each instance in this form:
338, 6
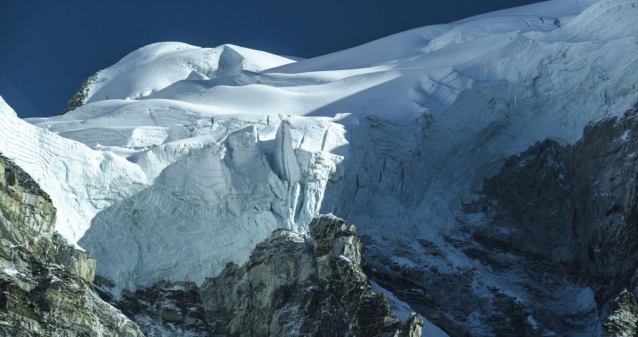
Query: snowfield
184, 158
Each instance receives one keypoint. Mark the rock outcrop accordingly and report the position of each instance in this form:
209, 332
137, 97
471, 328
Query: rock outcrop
45, 284
291, 286
622, 316
576, 206
553, 240
82, 95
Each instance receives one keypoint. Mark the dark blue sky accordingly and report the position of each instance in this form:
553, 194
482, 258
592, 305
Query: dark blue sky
49, 47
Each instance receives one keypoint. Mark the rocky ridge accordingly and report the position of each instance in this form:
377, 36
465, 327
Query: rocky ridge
291, 286
45, 284
82, 95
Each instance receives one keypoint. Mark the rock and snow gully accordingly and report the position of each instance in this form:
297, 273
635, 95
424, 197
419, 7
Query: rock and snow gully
488, 164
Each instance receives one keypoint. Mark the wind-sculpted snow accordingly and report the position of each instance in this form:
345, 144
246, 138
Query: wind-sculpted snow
481, 28
159, 65
209, 153
603, 21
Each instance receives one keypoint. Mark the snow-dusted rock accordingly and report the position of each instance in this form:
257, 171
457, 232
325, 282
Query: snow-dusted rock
291, 286
45, 284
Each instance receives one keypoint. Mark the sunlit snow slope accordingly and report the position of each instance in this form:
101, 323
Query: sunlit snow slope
157, 66
185, 158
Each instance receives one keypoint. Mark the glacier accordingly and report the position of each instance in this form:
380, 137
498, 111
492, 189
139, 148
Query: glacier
182, 159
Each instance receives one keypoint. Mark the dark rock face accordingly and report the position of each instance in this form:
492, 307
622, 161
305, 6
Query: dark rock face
557, 229
45, 284
80, 97
173, 309
576, 206
291, 286
622, 316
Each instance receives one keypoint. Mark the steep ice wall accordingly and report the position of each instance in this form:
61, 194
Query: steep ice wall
184, 209
79, 180
207, 207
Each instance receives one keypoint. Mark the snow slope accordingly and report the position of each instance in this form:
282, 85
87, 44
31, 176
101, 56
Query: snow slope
80, 181
198, 154
159, 65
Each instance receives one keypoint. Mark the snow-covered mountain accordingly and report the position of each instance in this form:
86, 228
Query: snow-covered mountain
178, 160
